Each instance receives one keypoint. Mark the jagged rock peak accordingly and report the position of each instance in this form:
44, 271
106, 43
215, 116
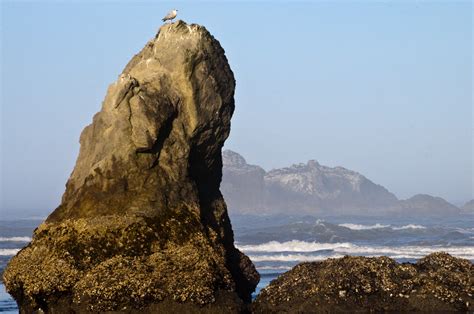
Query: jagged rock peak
313, 163
231, 158
142, 224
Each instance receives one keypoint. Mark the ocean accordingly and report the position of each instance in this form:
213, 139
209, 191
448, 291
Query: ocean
277, 243
14, 234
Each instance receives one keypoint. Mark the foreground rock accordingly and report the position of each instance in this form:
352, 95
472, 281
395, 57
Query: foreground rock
437, 283
142, 225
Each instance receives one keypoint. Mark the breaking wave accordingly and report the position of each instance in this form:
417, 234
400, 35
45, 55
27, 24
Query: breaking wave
310, 251
15, 239
364, 227
8, 252
410, 226
292, 246
380, 226
290, 258
275, 268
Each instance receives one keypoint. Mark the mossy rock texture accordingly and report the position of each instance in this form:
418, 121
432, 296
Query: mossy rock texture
142, 225
438, 283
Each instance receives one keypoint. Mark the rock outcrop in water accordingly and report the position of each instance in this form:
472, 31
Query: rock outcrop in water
468, 207
438, 283
142, 225
315, 189
427, 205
308, 188
243, 185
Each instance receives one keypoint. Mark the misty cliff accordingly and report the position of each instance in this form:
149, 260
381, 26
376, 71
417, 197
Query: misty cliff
142, 225
243, 185
312, 188
338, 190
303, 188
468, 207
423, 204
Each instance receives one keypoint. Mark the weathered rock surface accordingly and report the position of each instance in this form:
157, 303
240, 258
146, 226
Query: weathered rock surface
438, 283
142, 225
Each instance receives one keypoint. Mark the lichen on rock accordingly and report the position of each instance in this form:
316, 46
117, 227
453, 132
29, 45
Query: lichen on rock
142, 223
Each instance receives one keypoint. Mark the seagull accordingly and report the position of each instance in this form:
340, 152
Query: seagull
170, 16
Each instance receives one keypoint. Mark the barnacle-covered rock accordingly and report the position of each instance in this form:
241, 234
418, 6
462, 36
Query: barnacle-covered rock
438, 283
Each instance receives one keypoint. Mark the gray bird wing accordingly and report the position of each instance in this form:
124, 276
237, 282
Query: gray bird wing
168, 16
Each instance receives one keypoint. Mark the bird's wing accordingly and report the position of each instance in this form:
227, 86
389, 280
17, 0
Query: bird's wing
168, 16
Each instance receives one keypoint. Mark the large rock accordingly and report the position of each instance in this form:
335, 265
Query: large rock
308, 188
438, 283
468, 208
243, 185
142, 225
427, 205
314, 189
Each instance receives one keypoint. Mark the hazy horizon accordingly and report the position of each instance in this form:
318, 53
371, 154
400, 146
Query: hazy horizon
384, 89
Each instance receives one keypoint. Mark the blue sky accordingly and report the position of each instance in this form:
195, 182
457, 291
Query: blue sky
380, 87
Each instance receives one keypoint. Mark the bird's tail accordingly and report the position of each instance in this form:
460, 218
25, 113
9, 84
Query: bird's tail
163, 19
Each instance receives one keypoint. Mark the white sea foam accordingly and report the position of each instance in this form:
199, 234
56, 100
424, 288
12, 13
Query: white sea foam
410, 226
8, 252
292, 246
15, 239
364, 227
380, 226
291, 258
465, 230
308, 251
276, 268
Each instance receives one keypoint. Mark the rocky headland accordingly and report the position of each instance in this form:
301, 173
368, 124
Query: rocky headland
314, 189
142, 225
468, 207
438, 283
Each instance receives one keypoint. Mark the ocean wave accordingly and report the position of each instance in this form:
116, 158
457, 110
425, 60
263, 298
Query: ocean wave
465, 230
291, 258
278, 268
315, 258
15, 239
363, 227
410, 226
380, 226
8, 252
291, 246
305, 251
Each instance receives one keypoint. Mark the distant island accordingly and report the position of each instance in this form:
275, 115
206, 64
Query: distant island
468, 207
315, 189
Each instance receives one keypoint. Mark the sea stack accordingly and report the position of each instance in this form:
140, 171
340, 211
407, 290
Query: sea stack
142, 226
